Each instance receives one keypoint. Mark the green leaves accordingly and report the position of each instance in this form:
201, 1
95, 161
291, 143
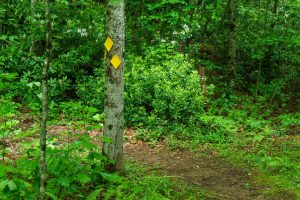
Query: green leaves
52, 196
8, 183
8, 76
94, 195
162, 87
11, 185
112, 178
83, 178
164, 3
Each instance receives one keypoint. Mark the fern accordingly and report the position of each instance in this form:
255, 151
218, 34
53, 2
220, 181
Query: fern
52, 196
94, 194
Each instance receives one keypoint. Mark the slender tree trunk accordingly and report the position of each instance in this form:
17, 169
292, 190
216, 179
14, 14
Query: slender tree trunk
231, 40
275, 8
114, 87
271, 48
266, 16
32, 47
259, 71
258, 78
43, 133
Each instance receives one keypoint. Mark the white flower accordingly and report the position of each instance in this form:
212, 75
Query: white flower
162, 40
173, 42
82, 32
69, 31
186, 28
175, 33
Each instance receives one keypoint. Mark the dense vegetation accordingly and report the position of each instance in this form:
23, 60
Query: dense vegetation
250, 114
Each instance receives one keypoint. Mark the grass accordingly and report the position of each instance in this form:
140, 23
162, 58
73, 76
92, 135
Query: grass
260, 145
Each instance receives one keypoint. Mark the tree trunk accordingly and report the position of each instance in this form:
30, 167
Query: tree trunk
114, 87
266, 56
43, 131
231, 41
275, 8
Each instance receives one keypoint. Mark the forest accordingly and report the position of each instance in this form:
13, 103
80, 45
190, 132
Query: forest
149, 99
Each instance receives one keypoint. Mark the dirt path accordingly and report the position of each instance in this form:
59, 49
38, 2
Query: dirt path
209, 172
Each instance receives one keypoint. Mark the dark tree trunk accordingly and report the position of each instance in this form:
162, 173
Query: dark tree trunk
231, 41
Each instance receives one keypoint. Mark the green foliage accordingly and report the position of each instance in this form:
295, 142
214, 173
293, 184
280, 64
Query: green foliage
163, 97
289, 123
148, 188
207, 129
75, 111
7, 87
77, 32
162, 87
276, 157
73, 170
76, 170
151, 186
90, 90
8, 124
268, 143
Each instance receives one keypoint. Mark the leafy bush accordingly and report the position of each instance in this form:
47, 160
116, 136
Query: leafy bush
73, 170
75, 111
207, 129
162, 87
90, 90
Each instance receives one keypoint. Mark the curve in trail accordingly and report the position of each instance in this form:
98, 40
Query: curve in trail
210, 172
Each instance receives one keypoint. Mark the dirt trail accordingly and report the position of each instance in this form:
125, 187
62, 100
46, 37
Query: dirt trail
209, 172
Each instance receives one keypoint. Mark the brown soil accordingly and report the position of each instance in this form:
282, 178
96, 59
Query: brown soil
208, 172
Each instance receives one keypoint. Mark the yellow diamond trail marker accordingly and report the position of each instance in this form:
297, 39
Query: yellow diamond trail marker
108, 43
115, 61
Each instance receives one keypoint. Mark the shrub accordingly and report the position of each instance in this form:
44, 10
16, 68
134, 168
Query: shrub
162, 87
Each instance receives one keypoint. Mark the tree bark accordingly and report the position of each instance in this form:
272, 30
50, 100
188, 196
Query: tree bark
231, 40
43, 131
114, 87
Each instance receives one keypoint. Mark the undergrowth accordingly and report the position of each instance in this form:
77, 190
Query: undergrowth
75, 163
248, 134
